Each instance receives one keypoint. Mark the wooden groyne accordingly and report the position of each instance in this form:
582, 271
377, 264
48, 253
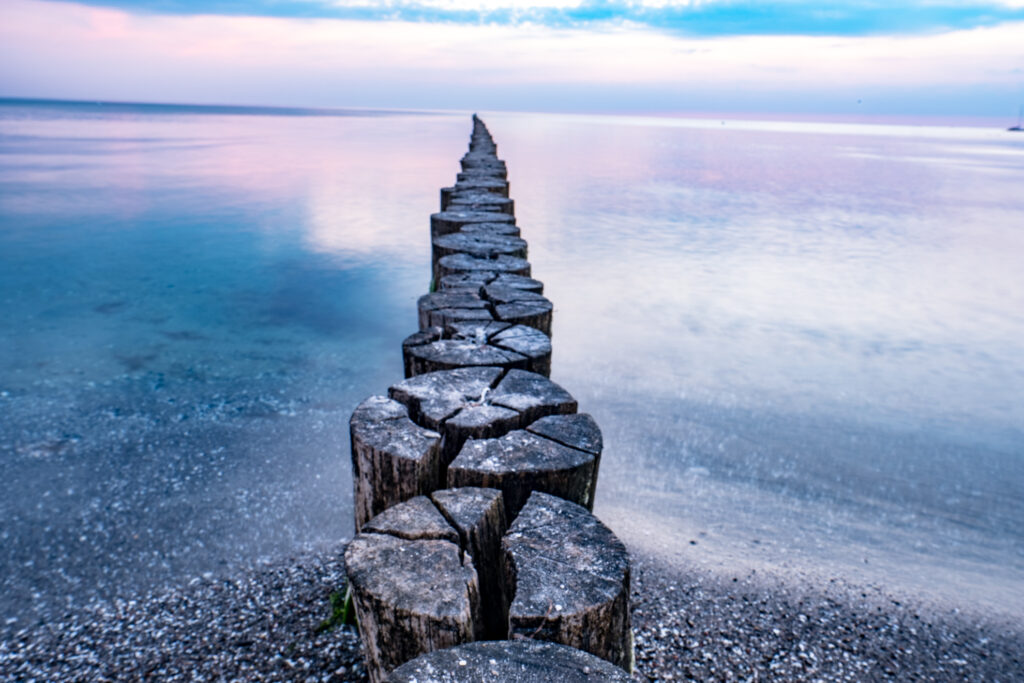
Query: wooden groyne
475, 475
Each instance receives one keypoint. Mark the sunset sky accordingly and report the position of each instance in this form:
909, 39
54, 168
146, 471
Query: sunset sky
927, 57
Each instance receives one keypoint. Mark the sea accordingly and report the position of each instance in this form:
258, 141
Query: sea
803, 339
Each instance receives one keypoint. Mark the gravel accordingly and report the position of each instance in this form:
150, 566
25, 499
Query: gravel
262, 625
693, 625
267, 624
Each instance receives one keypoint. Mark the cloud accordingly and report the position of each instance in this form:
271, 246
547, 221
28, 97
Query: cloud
54, 49
697, 18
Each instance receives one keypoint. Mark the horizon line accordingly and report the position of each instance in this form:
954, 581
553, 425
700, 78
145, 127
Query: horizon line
956, 120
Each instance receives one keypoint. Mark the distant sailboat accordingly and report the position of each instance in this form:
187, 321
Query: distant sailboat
1020, 114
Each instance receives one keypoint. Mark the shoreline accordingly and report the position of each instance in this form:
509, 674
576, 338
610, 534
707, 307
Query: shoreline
689, 623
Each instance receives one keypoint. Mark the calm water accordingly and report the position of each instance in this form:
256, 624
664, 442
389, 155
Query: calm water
804, 342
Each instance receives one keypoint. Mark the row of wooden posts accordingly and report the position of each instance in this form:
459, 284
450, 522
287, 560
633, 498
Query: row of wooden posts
475, 476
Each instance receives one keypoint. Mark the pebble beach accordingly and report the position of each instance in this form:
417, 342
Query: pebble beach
272, 622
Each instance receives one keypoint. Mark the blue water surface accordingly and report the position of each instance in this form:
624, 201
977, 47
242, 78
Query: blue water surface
804, 342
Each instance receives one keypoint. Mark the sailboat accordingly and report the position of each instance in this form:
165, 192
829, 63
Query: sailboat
1020, 114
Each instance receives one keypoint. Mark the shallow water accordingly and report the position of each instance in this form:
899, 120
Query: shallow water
802, 341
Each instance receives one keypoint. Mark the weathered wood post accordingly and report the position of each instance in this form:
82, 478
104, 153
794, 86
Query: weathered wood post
554, 457
570, 577
521, 661
413, 588
393, 459
447, 222
465, 342
509, 550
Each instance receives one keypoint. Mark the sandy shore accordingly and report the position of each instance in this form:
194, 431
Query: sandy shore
265, 623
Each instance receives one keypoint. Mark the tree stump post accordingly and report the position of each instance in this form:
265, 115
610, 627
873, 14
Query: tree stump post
466, 341
393, 459
509, 551
461, 263
413, 593
518, 661
447, 222
570, 577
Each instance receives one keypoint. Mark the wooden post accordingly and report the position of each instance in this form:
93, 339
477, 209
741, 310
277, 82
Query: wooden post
519, 306
486, 162
461, 263
480, 201
533, 395
431, 568
468, 280
479, 517
393, 459
447, 222
438, 308
484, 245
452, 403
521, 661
475, 173
570, 577
449, 354
413, 593
433, 398
466, 341
510, 229
578, 431
520, 463
519, 282
484, 184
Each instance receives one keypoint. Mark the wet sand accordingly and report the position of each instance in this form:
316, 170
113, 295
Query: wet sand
266, 623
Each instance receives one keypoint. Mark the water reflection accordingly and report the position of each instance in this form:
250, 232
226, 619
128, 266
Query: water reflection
807, 335
801, 335
193, 305
788, 264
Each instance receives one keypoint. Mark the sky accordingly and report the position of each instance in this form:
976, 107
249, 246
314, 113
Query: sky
850, 57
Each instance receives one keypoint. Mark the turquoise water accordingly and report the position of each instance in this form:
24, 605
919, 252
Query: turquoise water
802, 340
